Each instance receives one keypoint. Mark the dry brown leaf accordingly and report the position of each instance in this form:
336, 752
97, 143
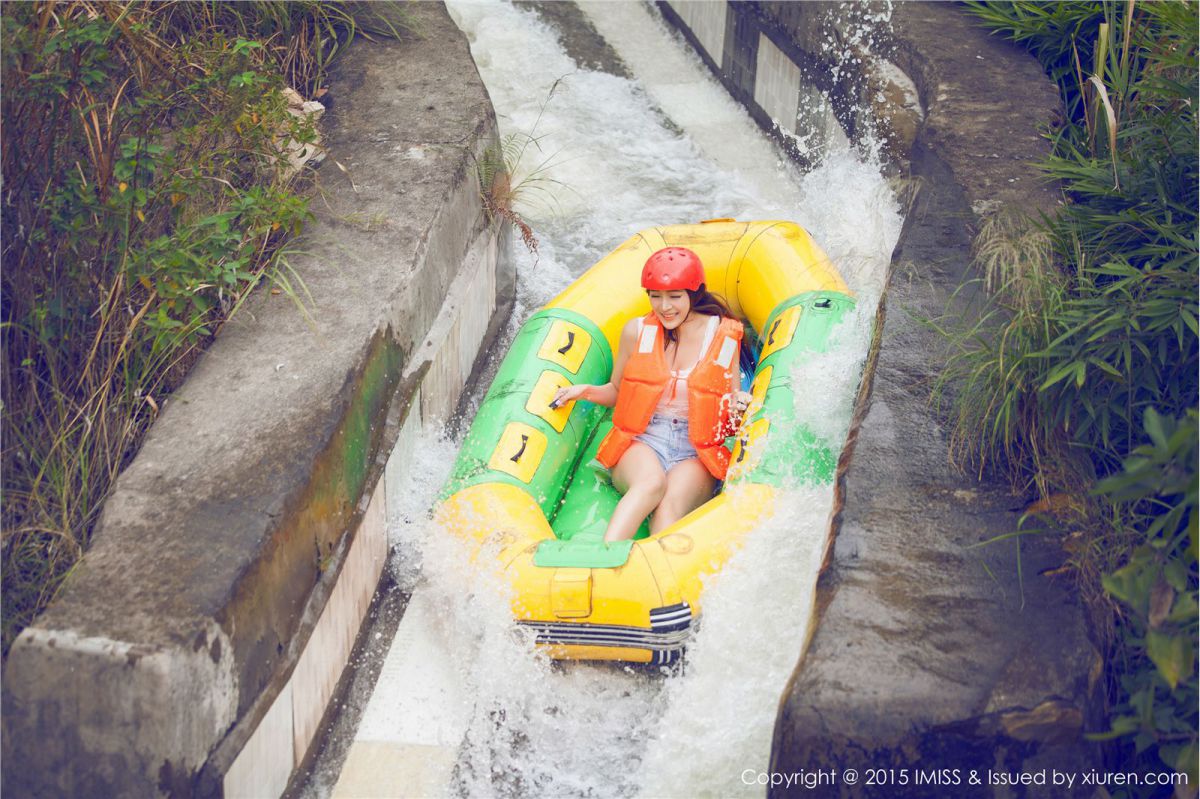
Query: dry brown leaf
1162, 596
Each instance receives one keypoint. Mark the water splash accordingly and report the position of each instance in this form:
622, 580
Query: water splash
719, 714
611, 156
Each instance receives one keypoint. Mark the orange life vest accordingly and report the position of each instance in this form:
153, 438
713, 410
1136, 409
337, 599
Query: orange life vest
645, 379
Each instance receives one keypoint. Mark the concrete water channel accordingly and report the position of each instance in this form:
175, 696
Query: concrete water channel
633, 130
272, 579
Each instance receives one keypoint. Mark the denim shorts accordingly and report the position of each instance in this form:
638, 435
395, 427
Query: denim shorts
668, 437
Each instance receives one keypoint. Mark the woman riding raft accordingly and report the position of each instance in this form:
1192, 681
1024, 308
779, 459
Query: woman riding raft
676, 388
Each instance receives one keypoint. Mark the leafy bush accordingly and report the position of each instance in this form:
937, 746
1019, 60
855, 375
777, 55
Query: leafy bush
1157, 493
146, 193
1080, 376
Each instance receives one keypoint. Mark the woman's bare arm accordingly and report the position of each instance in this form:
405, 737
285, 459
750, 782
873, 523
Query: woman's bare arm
605, 394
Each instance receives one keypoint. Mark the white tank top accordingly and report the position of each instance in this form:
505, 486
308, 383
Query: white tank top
674, 400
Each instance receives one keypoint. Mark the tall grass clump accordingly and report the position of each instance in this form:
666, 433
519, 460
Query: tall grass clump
1079, 378
508, 180
146, 191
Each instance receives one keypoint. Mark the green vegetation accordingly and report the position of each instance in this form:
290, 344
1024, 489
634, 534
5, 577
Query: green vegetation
147, 191
1080, 378
507, 180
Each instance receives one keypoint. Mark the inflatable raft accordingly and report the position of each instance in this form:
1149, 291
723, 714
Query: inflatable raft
528, 494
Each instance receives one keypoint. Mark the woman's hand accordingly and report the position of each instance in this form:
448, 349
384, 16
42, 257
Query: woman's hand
568, 394
739, 401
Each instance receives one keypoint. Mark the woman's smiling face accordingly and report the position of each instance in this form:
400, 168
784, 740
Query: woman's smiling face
671, 307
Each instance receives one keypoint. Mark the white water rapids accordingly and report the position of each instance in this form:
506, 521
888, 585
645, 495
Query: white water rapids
608, 157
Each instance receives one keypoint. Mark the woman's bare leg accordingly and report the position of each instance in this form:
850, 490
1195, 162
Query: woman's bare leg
689, 485
640, 476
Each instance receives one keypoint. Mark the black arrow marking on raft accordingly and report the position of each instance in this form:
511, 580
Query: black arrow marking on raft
742, 450
774, 327
824, 303
524, 440
570, 342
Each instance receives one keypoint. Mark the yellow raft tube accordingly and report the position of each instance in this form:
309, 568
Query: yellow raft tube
527, 494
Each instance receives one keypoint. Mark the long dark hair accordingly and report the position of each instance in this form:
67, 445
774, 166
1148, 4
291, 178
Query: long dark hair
704, 301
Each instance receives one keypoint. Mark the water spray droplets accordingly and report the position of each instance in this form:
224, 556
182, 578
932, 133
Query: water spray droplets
575, 729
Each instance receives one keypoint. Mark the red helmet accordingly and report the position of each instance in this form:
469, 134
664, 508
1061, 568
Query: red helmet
672, 269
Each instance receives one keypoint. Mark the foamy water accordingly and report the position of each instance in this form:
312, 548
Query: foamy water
605, 157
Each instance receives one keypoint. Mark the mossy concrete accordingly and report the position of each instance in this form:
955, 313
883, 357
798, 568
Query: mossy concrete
223, 539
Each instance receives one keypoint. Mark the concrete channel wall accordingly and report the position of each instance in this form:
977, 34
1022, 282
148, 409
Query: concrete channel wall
934, 657
196, 649
805, 72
